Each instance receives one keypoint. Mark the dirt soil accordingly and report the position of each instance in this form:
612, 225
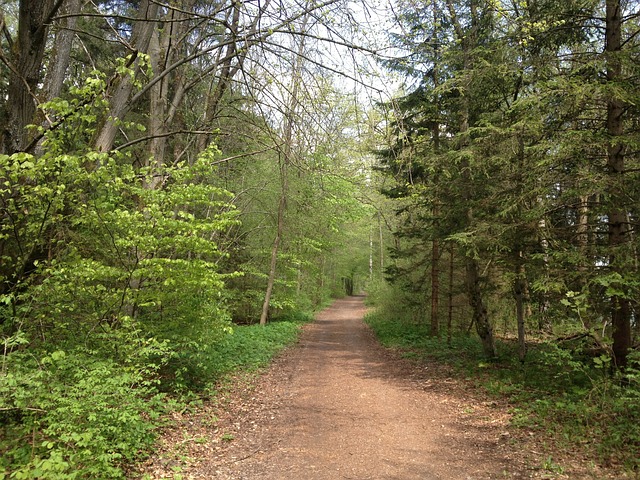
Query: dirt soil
339, 406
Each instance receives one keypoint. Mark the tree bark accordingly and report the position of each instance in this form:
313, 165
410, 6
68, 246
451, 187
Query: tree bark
435, 287
479, 309
158, 99
519, 289
450, 294
274, 255
119, 104
468, 36
61, 55
166, 95
371, 253
381, 245
435, 245
620, 306
34, 17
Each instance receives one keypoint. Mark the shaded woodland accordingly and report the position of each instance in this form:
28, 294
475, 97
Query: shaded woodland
513, 157
174, 171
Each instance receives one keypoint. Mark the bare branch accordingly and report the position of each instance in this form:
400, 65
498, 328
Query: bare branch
161, 135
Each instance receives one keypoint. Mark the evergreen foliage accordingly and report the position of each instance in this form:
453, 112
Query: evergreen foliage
513, 155
501, 150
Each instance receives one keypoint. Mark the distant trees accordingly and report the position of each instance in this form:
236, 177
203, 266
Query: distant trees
514, 145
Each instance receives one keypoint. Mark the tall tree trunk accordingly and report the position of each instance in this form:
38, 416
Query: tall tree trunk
450, 294
468, 36
34, 17
519, 289
620, 307
371, 253
119, 104
435, 133
519, 280
61, 55
380, 232
479, 309
582, 228
435, 287
158, 100
25, 63
544, 304
274, 251
285, 159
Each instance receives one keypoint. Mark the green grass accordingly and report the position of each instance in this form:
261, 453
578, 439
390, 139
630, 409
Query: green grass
253, 346
571, 398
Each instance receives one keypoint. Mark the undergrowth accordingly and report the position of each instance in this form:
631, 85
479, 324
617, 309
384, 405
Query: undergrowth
78, 414
250, 347
573, 398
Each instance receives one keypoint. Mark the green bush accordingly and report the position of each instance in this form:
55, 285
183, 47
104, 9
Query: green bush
80, 414
252, 346
74, 415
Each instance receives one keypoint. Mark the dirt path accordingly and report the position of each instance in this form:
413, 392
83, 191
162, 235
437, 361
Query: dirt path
339, 406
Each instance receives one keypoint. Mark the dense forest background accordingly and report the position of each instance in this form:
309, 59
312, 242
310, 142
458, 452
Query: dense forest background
172, 172
515, 153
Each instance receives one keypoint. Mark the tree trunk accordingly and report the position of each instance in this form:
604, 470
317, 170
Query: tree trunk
381, 245
620, 307
582, 228
435, 287
479, 309
468, 37
19, 253
119, 104
34, 17
285, 159
450, 294
274, 257
225, 76
519, 288
544, 304
157, 111
61, 55
167, 94
348, 286
371, 253
435, 245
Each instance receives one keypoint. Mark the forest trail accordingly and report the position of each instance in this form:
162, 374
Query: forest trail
339, 406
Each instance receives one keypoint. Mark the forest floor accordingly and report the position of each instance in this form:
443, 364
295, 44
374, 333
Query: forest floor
340, 406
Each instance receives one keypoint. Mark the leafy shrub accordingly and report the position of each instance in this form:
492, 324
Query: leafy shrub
198, 365
74, 415
252, 346
294, 316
